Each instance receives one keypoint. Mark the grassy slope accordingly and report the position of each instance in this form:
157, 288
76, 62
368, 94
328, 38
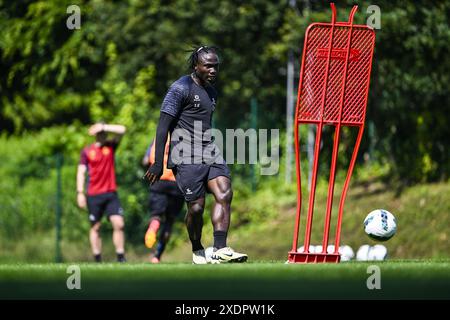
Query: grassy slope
399, 280
422, 212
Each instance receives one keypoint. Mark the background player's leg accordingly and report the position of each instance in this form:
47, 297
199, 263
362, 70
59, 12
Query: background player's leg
118, 224
95, 240
164, 237
152, 231
158, 203
174, 207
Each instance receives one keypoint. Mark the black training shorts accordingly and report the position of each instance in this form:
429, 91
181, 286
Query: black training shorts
165, 199
192, 179
105, 203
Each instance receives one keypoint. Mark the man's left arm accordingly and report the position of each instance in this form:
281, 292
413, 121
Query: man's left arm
113, 128
117, 129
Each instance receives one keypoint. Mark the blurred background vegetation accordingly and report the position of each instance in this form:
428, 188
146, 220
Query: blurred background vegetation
55, 82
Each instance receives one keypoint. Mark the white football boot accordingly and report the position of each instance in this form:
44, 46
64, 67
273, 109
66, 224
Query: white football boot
198, 257
227, 255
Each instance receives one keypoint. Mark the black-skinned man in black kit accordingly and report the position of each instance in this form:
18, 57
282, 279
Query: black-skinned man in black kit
186, 114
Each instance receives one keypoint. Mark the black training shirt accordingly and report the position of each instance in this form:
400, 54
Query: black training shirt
192, 106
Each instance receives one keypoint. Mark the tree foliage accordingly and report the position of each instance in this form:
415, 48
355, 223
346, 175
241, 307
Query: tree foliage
119, 64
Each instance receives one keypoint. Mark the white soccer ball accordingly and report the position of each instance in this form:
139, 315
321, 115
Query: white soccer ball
377, 253
347, 253
380, 225
363, 253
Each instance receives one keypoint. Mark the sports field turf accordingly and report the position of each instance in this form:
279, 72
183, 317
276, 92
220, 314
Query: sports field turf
256, 280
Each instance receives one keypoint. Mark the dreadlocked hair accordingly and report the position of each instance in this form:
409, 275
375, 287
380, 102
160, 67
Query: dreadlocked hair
195, 54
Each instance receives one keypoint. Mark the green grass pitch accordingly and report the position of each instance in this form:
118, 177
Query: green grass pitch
256, 280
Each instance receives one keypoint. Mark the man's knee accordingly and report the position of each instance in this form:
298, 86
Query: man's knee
166, 236
225, 197
96, 227
117, 223
196, 209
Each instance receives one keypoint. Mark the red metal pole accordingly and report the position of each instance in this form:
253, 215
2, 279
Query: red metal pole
336, 140
319, 137
352, 14
299, 184
297, 153
353, 159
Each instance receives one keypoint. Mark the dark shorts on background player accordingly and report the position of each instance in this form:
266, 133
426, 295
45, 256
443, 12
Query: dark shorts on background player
192, 179
165, 198
163, 203
105, 203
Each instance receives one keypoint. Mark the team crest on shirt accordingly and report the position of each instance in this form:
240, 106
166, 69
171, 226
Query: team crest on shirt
92, 154
105, 151
196, 101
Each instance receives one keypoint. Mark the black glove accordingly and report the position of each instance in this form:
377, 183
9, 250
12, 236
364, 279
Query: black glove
153, 173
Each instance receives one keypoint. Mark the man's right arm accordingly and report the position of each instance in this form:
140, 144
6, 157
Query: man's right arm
155, 171
81, 197
171, 107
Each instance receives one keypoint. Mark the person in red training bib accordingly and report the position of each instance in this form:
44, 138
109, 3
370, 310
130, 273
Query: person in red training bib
100, 197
